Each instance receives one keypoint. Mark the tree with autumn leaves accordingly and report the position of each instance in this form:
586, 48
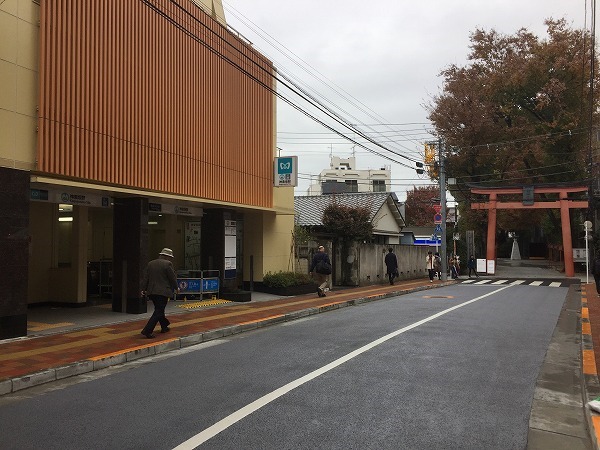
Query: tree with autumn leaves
419, 205
519, 113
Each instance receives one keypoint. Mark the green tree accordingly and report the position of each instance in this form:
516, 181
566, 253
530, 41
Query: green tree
517, 113
347, 224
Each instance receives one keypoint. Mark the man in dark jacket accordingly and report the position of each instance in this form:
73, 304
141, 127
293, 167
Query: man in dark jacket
319, 260
596, 272
391, 262
158, 284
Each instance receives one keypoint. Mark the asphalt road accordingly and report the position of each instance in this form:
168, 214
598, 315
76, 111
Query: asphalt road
452, 369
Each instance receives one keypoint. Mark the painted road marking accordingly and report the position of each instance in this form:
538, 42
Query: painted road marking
468, 281
589, 362
555, 284
500, 282
483, 282
535, 283
518, 282
238, 415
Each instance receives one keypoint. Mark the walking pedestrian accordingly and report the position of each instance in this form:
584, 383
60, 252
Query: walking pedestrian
472, 264
321, 266
453, 267
437, 264
429, 263
391, 262
158, 284
596, 272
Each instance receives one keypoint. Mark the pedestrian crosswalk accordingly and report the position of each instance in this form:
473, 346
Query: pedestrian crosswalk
516, 282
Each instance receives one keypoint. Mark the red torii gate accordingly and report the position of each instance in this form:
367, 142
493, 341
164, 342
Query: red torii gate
564, 203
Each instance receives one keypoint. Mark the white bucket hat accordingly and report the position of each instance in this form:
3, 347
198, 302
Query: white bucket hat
167, 252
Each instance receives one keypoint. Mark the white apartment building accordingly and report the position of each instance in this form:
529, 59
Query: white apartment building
343, 176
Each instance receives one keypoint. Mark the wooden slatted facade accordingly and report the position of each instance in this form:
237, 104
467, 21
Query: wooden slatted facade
155, 95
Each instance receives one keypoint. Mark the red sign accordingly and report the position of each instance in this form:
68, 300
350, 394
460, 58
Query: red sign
437, 208
437, 218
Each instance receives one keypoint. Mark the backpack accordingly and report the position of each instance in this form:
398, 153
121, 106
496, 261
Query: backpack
323, 267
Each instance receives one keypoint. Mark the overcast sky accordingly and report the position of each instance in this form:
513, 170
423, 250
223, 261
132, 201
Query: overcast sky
376, 64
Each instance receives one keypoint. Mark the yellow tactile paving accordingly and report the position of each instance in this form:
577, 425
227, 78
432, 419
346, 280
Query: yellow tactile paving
39, 326
589, 362
202, 304
586, 328
585, 313
92, 331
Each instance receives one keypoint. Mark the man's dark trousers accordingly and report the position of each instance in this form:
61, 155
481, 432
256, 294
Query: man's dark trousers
160, 303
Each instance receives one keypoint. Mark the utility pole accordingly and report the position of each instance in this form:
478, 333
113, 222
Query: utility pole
443, 204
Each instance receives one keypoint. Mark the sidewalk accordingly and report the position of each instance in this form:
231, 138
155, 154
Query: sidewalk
86, 339
92, 338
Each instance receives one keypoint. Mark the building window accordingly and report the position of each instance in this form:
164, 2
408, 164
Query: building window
352, 185
378, 185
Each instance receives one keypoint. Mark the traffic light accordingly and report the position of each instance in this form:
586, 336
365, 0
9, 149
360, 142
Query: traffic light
419, 169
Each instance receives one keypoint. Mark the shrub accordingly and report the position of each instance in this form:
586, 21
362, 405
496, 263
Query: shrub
286, 279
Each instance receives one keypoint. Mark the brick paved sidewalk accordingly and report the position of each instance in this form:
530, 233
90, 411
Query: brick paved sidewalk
31, 361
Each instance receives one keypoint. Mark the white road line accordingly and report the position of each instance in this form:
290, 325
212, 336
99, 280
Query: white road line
518, 282
535, 283
500, 282
468, 281
238, 415
555, 284
483, 282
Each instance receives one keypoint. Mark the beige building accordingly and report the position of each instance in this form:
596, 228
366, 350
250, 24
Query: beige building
344, 176
125, 128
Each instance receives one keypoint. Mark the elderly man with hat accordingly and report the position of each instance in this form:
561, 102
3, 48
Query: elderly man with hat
158, 284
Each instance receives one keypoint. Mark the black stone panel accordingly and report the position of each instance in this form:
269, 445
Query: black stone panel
13, 326
130, 249
14, 248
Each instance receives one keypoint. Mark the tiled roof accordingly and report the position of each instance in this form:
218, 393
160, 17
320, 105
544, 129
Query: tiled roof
309, 209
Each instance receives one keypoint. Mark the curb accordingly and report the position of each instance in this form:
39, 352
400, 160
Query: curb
591, 383
100, 362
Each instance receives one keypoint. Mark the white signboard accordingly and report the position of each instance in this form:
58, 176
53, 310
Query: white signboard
230, 248
491, 267
192, 245
286, 171
579, 255
481, 265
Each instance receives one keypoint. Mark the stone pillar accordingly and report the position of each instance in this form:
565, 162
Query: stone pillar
130, 253
14, 246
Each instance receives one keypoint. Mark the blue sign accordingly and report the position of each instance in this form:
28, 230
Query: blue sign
285, 165
187, 285
438, 228
210, 284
